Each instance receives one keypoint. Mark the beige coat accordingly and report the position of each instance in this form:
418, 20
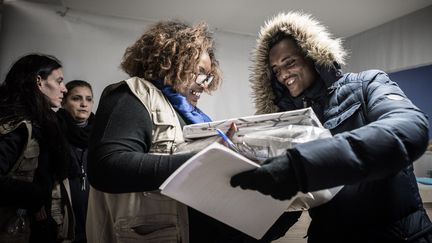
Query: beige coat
143, 216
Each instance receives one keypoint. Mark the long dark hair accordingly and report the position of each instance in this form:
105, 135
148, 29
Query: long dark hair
21, 99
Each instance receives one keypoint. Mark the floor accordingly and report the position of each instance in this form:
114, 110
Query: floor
297, 232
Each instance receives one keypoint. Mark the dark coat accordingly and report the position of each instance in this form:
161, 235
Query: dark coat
380, 199
378, 133
78, 138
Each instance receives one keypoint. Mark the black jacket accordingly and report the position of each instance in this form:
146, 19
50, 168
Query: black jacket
380, 199
378, 133
28, 195
78, 137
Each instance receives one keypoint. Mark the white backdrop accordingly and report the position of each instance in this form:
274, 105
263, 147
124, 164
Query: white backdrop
1, 13
91, 48
398, 45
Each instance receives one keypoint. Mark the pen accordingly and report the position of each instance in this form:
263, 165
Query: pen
227, 140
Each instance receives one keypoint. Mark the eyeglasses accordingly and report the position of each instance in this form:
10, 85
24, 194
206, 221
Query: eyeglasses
204, 79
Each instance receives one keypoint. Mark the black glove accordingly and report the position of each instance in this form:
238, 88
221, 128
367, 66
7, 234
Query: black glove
275, 177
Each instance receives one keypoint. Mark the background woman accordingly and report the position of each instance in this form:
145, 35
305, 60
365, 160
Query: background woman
33, 158
77, 117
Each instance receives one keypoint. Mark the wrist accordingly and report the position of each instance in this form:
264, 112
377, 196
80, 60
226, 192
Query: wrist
298, 170
280, 168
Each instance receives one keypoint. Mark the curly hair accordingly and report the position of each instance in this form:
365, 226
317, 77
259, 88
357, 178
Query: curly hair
170, 51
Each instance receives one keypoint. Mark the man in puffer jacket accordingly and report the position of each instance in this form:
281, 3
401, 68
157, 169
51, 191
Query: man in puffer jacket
377, 134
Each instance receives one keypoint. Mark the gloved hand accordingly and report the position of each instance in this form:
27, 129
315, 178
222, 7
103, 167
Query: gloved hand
275, 177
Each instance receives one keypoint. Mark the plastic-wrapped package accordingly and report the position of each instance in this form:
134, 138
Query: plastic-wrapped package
264, 136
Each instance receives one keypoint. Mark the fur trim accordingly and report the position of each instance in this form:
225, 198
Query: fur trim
312, 37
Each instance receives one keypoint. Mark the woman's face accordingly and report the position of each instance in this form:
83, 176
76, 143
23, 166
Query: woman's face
193, 90
79, 103
53, 87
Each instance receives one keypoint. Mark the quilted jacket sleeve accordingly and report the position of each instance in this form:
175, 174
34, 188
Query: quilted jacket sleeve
397, 134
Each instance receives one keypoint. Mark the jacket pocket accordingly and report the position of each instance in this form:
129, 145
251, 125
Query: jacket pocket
30, 155
27, 163
149, 228
339, 117
164, 125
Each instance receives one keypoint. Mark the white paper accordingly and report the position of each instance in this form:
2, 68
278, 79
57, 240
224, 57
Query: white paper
203, 183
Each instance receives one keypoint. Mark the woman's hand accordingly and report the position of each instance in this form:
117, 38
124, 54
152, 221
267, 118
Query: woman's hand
41, 214
232, 130
230, 134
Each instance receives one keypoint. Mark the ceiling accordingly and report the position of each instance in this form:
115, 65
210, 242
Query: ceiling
344, 17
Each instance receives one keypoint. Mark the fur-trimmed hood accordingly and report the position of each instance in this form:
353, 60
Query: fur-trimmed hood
312, 37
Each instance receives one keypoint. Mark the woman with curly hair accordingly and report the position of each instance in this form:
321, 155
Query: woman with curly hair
137, 128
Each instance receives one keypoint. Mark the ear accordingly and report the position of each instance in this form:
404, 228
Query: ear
39, 82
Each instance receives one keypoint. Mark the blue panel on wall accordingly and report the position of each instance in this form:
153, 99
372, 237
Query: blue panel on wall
417, 85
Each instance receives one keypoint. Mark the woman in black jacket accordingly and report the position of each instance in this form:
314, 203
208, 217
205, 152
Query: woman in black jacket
77, 117
33, 159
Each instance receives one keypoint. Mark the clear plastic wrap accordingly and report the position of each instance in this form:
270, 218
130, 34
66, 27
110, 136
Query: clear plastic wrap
264, 136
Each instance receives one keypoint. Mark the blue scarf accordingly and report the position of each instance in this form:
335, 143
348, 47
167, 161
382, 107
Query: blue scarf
189, 112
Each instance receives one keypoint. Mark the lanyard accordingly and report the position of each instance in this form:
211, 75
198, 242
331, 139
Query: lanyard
83, 173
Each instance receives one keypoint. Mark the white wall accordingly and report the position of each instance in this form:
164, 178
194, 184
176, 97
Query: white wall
400, 44
1, 13
91, 48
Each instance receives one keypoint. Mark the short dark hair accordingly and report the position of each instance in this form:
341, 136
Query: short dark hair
77, 83
279, 36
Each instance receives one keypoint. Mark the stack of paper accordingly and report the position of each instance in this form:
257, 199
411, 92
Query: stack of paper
203, 183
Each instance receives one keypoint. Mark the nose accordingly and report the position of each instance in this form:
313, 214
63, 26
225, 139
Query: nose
63, 88
83, 103
284, 73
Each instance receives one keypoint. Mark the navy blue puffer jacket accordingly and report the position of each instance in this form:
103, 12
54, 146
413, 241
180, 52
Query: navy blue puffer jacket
377, 134
380, 199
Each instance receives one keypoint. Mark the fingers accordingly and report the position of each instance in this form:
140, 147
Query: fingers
281, 196
232, 130
243, 179
41, 214
221, 141
283, 192
256, 179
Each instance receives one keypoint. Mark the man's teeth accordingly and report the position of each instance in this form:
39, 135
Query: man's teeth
290, 81
196, 93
